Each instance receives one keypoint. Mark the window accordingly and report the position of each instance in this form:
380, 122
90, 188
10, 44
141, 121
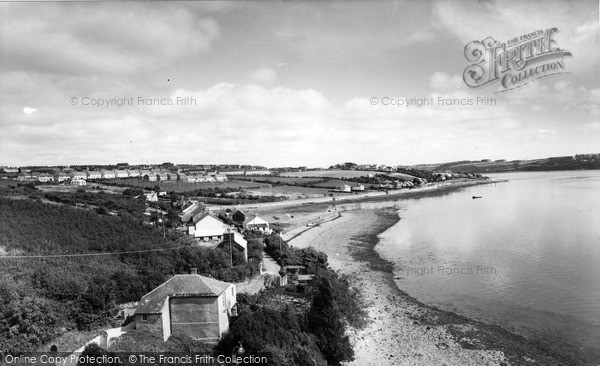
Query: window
144, 317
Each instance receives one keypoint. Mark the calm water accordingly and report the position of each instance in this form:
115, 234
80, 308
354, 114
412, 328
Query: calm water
525, 256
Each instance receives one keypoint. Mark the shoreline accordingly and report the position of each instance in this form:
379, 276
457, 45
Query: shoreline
403, 330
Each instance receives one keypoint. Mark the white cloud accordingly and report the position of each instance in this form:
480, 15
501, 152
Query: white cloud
264, 75
28, 110
443, 82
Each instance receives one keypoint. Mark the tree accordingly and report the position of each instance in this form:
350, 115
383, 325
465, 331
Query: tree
325, 322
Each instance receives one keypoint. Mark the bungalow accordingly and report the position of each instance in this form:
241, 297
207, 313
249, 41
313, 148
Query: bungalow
256, 223
359, 187
192, 305
345, 188
94, 174
206, 227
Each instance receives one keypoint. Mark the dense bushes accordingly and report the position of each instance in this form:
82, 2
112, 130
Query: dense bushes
286, 255
293, 335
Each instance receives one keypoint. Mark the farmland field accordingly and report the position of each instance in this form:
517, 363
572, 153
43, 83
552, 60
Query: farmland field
330, 173
288, 180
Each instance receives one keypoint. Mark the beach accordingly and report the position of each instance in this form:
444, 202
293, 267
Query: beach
402, 330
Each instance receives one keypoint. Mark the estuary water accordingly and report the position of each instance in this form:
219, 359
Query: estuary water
525, 256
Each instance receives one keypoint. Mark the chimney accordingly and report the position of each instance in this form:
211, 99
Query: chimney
194, 271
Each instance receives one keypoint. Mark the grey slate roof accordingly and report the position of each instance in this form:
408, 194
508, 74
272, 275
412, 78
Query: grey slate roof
180, 286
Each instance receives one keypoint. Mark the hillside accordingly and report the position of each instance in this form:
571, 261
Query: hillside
577, 162
60, 289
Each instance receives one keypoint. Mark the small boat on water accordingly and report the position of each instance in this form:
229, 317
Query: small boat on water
474, 197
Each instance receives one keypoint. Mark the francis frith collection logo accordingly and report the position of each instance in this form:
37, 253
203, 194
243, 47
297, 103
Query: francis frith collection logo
515, 62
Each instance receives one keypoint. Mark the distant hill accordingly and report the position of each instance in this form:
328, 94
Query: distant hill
577, 162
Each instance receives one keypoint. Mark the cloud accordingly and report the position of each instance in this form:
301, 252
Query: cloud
471, 20
101, 38
264, 75
443, 82
28, 110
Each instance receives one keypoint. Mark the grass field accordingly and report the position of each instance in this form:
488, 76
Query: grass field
293, 192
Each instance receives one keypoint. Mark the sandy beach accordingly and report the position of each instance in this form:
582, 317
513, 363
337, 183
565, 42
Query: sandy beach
403, 331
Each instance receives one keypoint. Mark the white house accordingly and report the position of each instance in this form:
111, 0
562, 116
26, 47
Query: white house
359, 187
78, 175
45, 177
108, 174
94, 174
133, 173
256, 223
206, 227
78, 182
122, 174
345, 188
192, 305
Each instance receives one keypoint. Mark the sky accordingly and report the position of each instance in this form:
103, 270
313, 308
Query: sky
286, 83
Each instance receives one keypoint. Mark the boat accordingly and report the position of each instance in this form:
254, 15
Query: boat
474, 197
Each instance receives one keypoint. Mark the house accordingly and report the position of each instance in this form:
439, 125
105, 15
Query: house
256, 223
134, 173
191, 210
206, 227
122, 174
145, 174
27, 177
45, 177
258, 172
61, 177
232, 237
233, 171
78, 182
192, 305
108, 174
345, 188
151, 197
219, 177
94, 174
75, 175
359, 187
